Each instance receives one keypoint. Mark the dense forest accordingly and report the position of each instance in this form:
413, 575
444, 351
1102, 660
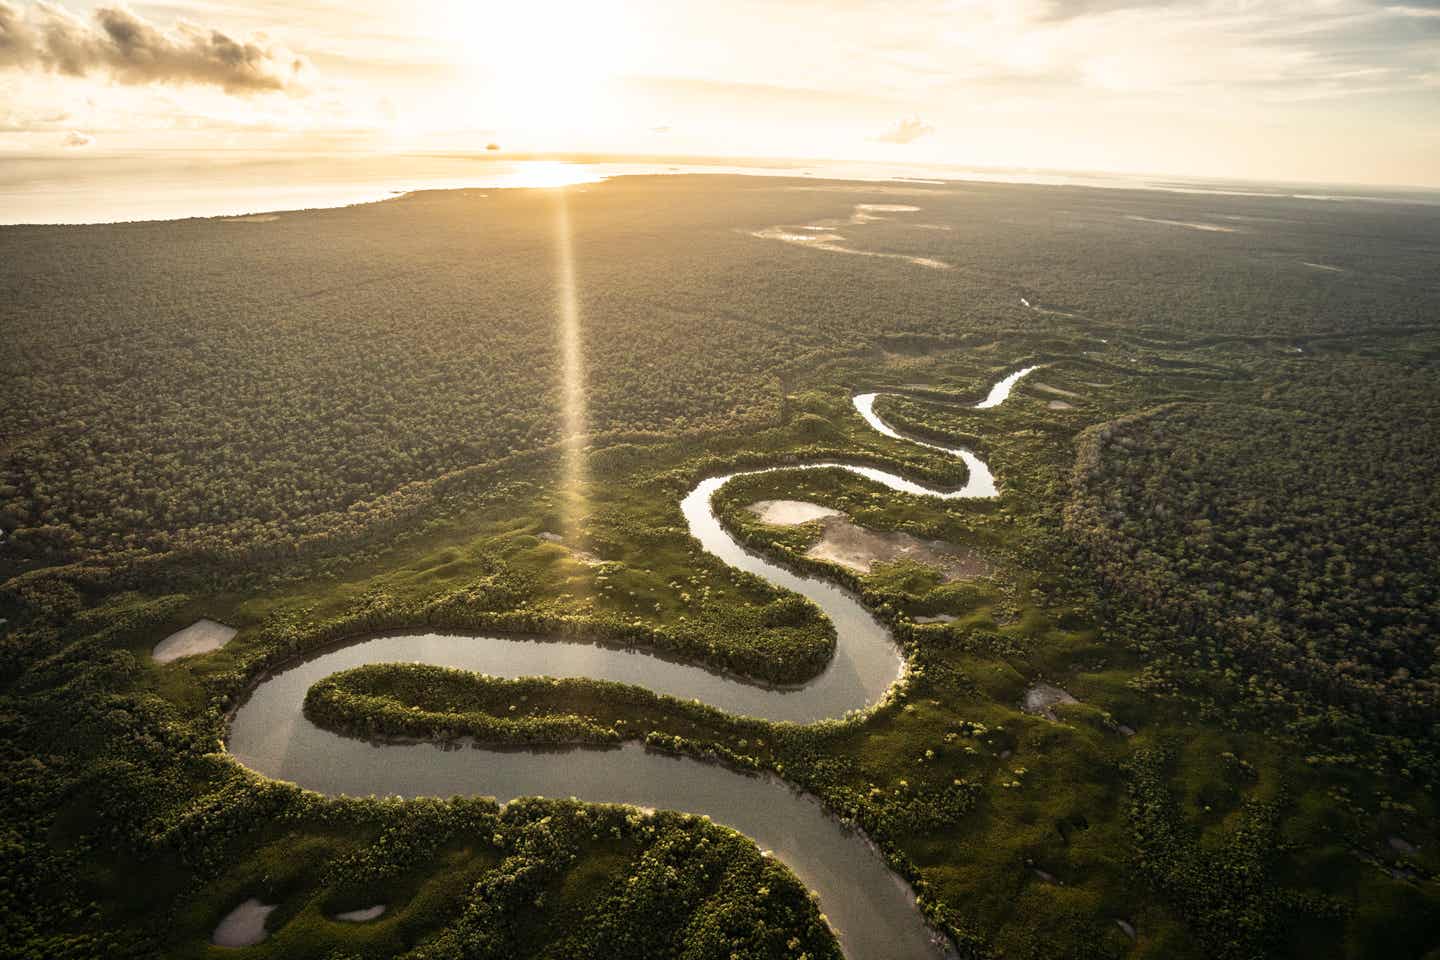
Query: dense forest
202, 388
1217, 532
1290, 549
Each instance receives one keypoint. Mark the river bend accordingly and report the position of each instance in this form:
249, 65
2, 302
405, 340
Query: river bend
871, 908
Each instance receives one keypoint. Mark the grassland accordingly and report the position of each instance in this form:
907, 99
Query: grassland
365, 441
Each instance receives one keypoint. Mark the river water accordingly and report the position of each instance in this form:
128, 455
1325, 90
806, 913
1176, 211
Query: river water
870, 907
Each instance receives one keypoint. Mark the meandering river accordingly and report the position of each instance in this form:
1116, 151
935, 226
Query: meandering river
871, 908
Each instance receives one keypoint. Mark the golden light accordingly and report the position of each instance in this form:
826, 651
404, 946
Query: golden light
572, 376
545, 67
549, 173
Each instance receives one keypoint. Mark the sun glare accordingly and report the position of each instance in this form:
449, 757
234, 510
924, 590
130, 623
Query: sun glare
544, 68
550, 173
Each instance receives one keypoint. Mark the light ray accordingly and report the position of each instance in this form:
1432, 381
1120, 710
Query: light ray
572, 377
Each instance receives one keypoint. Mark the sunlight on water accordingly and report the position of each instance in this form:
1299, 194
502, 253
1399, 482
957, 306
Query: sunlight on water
549, 173
117, 189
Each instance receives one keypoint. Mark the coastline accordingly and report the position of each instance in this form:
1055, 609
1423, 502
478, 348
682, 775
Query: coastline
101, 190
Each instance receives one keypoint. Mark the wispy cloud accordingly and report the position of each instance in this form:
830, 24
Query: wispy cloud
117, 42
75, 140
905, 130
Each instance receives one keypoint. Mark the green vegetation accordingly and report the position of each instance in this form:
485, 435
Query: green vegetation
224, 396
436, 703
1225, 548
1291, 552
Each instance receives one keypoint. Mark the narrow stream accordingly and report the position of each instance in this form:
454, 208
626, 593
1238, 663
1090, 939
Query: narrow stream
870, 907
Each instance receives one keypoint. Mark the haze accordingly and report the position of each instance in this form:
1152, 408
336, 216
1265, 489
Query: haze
1341, 91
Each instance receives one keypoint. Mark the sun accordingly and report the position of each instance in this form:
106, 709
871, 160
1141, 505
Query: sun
545, 67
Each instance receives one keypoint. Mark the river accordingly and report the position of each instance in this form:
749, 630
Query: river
872, 909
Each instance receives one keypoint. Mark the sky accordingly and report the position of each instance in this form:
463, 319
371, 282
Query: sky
1337, 91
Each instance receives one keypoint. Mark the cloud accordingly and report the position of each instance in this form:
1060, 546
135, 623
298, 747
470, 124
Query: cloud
75, 140
905, 130
49, 38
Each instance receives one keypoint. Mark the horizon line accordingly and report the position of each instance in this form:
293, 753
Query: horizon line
757, 160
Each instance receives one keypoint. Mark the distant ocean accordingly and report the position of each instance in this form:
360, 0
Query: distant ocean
172, 186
